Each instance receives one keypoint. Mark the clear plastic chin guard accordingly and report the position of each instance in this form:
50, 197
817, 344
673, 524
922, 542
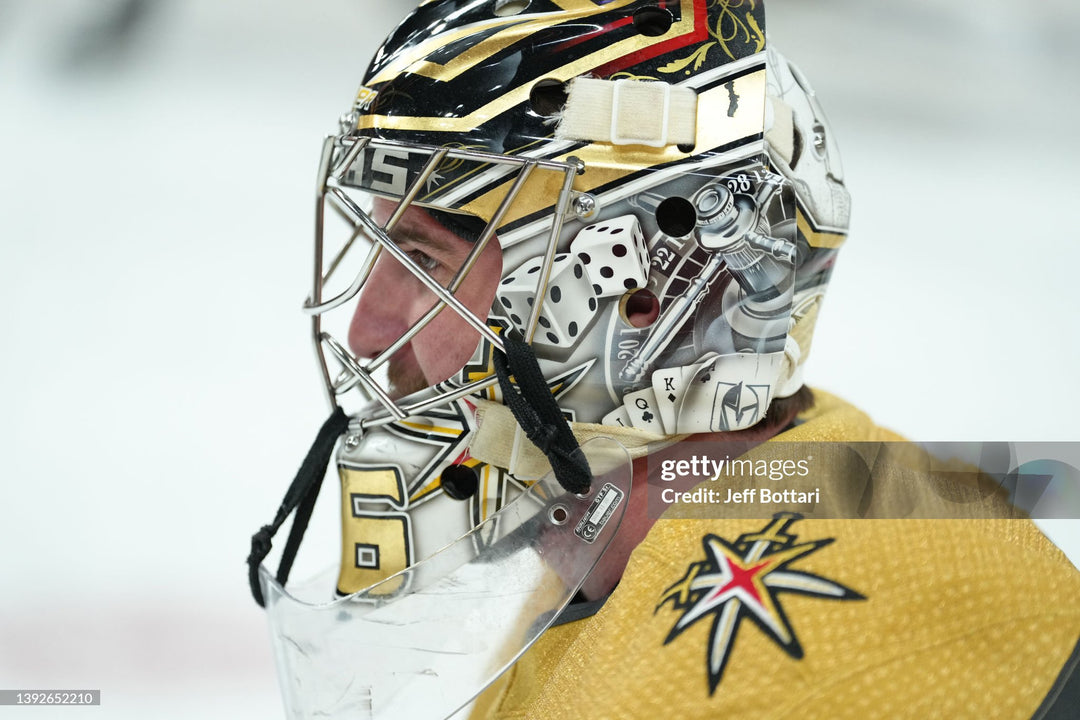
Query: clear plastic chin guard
424, 642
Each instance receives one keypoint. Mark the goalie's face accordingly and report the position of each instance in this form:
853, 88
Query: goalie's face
393, 299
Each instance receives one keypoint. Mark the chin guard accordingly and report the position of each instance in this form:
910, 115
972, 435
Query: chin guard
424, 642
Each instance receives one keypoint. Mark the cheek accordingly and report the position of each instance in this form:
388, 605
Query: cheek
478, 291
444, 346
448, 342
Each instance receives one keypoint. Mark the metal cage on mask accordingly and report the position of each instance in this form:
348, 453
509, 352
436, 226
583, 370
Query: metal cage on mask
737, 232
405, 186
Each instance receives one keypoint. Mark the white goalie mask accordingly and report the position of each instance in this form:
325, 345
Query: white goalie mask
650, 203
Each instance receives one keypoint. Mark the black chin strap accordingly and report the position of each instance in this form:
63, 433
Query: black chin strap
300, 496
533, 406
535, 409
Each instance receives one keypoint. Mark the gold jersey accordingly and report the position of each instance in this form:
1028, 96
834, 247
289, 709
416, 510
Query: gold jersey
824, 619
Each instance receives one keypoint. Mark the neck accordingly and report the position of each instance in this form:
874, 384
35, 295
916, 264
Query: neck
637, 522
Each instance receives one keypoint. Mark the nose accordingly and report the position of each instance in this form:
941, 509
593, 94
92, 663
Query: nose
381, 314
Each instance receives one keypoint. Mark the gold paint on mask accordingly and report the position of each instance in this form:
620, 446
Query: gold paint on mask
519, 94
814, 237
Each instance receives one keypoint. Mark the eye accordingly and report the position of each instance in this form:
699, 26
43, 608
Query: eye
424, 260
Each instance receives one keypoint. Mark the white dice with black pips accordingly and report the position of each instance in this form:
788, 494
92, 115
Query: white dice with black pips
570, 304
614, 255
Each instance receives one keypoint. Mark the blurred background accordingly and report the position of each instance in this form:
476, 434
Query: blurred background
158, 390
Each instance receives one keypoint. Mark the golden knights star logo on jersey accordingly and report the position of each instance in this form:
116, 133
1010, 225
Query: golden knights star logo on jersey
742, 579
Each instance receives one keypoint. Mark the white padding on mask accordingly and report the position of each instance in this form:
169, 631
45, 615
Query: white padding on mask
780, 128
629, 112
501, 442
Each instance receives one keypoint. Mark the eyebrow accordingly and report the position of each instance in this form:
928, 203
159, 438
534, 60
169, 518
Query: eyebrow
418, 232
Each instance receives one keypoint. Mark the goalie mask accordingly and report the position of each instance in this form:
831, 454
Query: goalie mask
639, 196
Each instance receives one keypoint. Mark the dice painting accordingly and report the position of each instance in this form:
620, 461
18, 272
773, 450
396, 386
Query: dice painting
570, 304
614, 255
607, 259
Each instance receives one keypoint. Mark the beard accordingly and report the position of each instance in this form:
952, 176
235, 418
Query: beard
405, 378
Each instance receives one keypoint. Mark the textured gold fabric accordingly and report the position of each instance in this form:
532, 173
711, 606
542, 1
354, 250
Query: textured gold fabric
957, 619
